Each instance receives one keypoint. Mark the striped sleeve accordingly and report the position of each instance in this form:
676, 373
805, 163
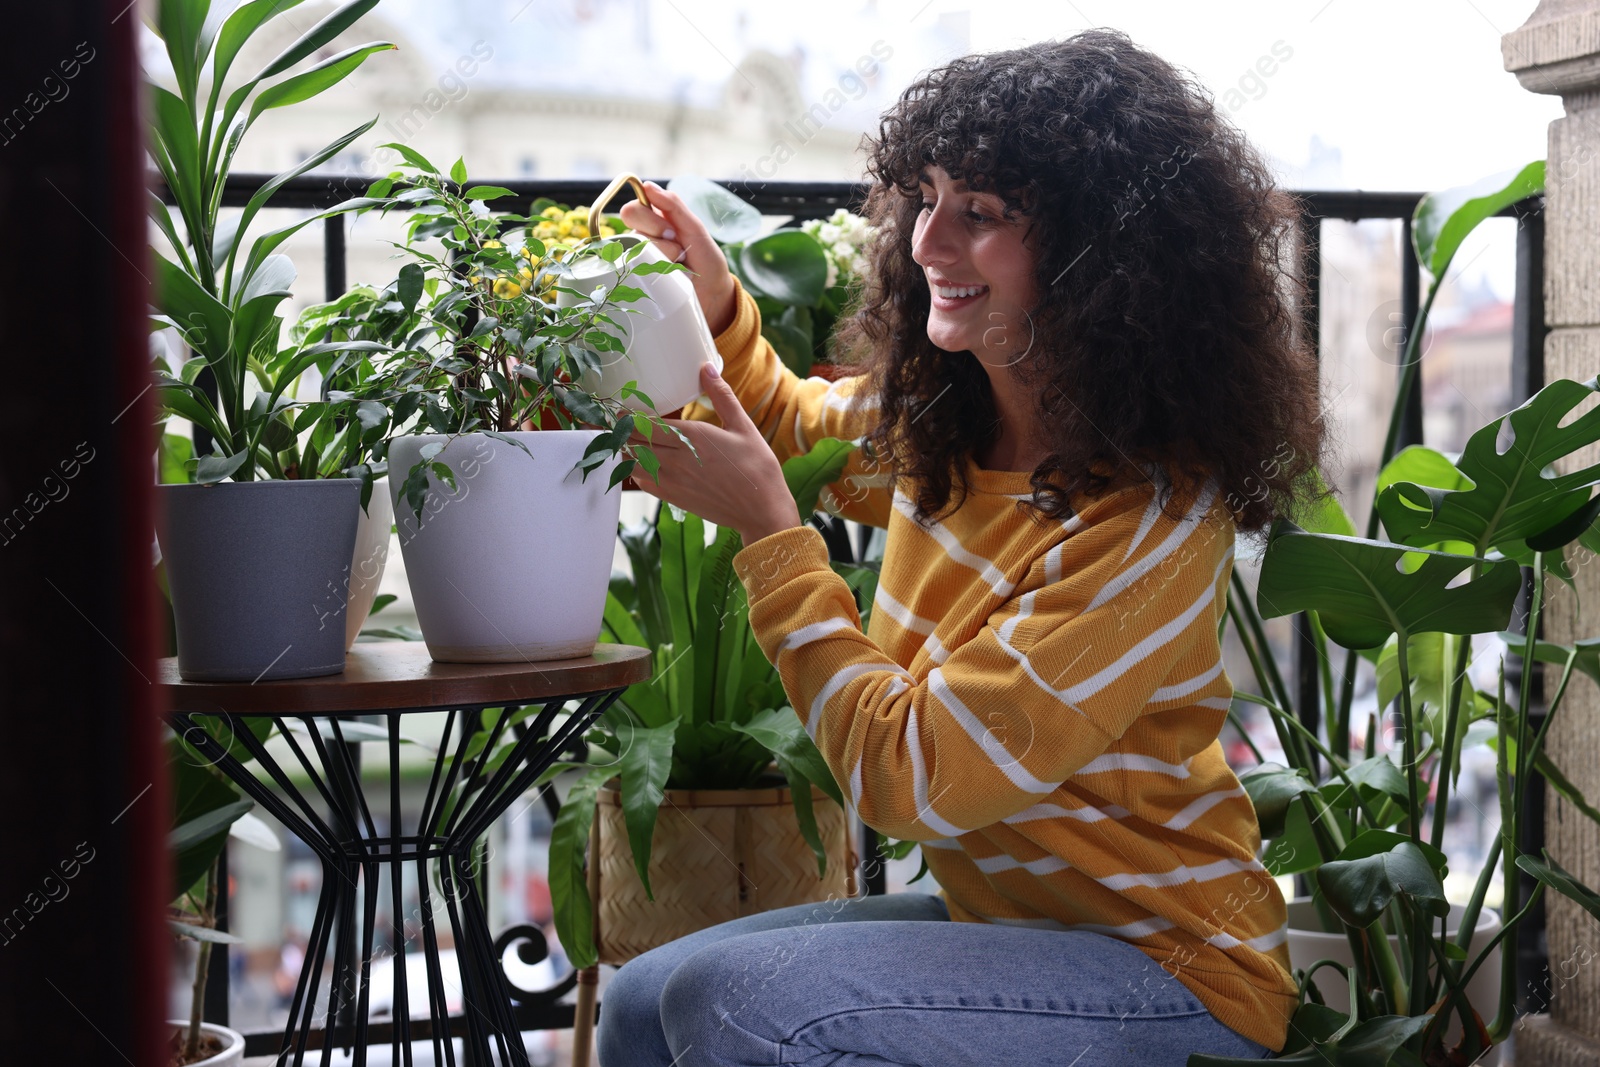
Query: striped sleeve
1046, 688
794, 413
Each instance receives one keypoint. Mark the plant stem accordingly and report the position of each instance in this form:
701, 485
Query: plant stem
1339, 730
1508, 851
202, 963
1441, 803
1268, 661
1414, 816
1408, 379
1233, 718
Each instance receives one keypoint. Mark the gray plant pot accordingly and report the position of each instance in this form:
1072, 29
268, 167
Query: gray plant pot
259, 573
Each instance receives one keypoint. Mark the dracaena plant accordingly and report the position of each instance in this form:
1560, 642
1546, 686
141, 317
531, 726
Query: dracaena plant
1359, 824
216, 288
469, 337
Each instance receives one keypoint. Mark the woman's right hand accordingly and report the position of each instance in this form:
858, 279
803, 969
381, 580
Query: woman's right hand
675, 230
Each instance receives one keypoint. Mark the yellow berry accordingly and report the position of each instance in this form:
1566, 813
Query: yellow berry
506, 289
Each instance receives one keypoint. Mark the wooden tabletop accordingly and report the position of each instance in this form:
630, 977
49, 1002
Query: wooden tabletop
399, 676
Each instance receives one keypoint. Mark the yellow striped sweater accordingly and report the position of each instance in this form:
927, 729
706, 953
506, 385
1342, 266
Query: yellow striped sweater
1037, 703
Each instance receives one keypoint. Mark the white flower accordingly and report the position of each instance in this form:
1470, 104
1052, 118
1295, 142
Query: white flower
829, 234
843, 252
479, 208
833, 274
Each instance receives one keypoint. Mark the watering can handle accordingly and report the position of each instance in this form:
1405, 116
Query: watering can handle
597, 209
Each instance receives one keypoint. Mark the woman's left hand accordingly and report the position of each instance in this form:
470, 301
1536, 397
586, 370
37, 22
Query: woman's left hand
736, 481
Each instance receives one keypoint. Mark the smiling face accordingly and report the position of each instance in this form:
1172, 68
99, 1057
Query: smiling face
979, 267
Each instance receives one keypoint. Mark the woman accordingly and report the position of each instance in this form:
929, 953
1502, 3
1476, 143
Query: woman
1080, 379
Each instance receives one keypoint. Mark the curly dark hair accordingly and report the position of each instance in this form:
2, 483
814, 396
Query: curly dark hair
1165, 335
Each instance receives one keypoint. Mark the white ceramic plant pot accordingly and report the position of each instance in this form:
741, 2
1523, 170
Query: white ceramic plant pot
233, 1040
513, 564
1308, 944
373, 529
665, 336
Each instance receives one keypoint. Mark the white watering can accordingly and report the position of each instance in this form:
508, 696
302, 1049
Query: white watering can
665, 336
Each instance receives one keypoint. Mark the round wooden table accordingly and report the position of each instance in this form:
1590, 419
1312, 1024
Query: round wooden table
484, 762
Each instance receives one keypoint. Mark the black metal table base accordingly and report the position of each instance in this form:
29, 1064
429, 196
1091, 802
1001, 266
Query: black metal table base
472, 784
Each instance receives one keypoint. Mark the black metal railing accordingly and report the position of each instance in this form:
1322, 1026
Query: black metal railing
809, 200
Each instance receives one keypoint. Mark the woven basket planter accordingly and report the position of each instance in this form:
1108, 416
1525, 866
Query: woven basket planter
717, 854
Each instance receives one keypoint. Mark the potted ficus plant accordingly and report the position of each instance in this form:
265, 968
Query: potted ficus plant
507, 541
259, 536
1390, 970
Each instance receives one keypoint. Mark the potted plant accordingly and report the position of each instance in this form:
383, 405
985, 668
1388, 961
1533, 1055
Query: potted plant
803, 279
507, 543
207, 810
707, 745
1419, 981
256, 539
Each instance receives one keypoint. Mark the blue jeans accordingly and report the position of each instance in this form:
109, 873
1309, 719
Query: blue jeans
890, 981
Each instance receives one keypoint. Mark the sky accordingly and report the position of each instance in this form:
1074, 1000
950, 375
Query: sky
1374, 94
1412, 94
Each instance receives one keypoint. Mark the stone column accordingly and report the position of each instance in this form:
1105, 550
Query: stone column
1557, 52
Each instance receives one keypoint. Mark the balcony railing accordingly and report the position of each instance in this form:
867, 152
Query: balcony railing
809, 200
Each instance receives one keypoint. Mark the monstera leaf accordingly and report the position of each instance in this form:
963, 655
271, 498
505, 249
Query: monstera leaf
1443, 219
1362, 596
1515, 493
1378, 866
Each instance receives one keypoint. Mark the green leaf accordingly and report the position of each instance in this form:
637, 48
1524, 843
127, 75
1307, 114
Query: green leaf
725, 215
806, 475
206, 825
173, 125
213, 469
412, 156
240, 26
313, 82
714, 614
569, 890
176, 453
643, 546
1378, 866
788, 265
204, 321
1327, 515
645, 765
203, 933
1272, 788
1588, 652
1443, 219
780, 730
1361, 597
1295, 851
180, 24
1552, 874
458, 172
322, 33
805, 816
792, 345
1373, 1043
1516, 493
487, 192
408, 286
1379, 775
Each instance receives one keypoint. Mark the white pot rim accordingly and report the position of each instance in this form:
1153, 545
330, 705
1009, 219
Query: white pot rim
1488, 921
234, 1038
514, 434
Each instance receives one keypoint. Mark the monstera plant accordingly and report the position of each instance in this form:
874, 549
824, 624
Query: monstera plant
1366, 827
